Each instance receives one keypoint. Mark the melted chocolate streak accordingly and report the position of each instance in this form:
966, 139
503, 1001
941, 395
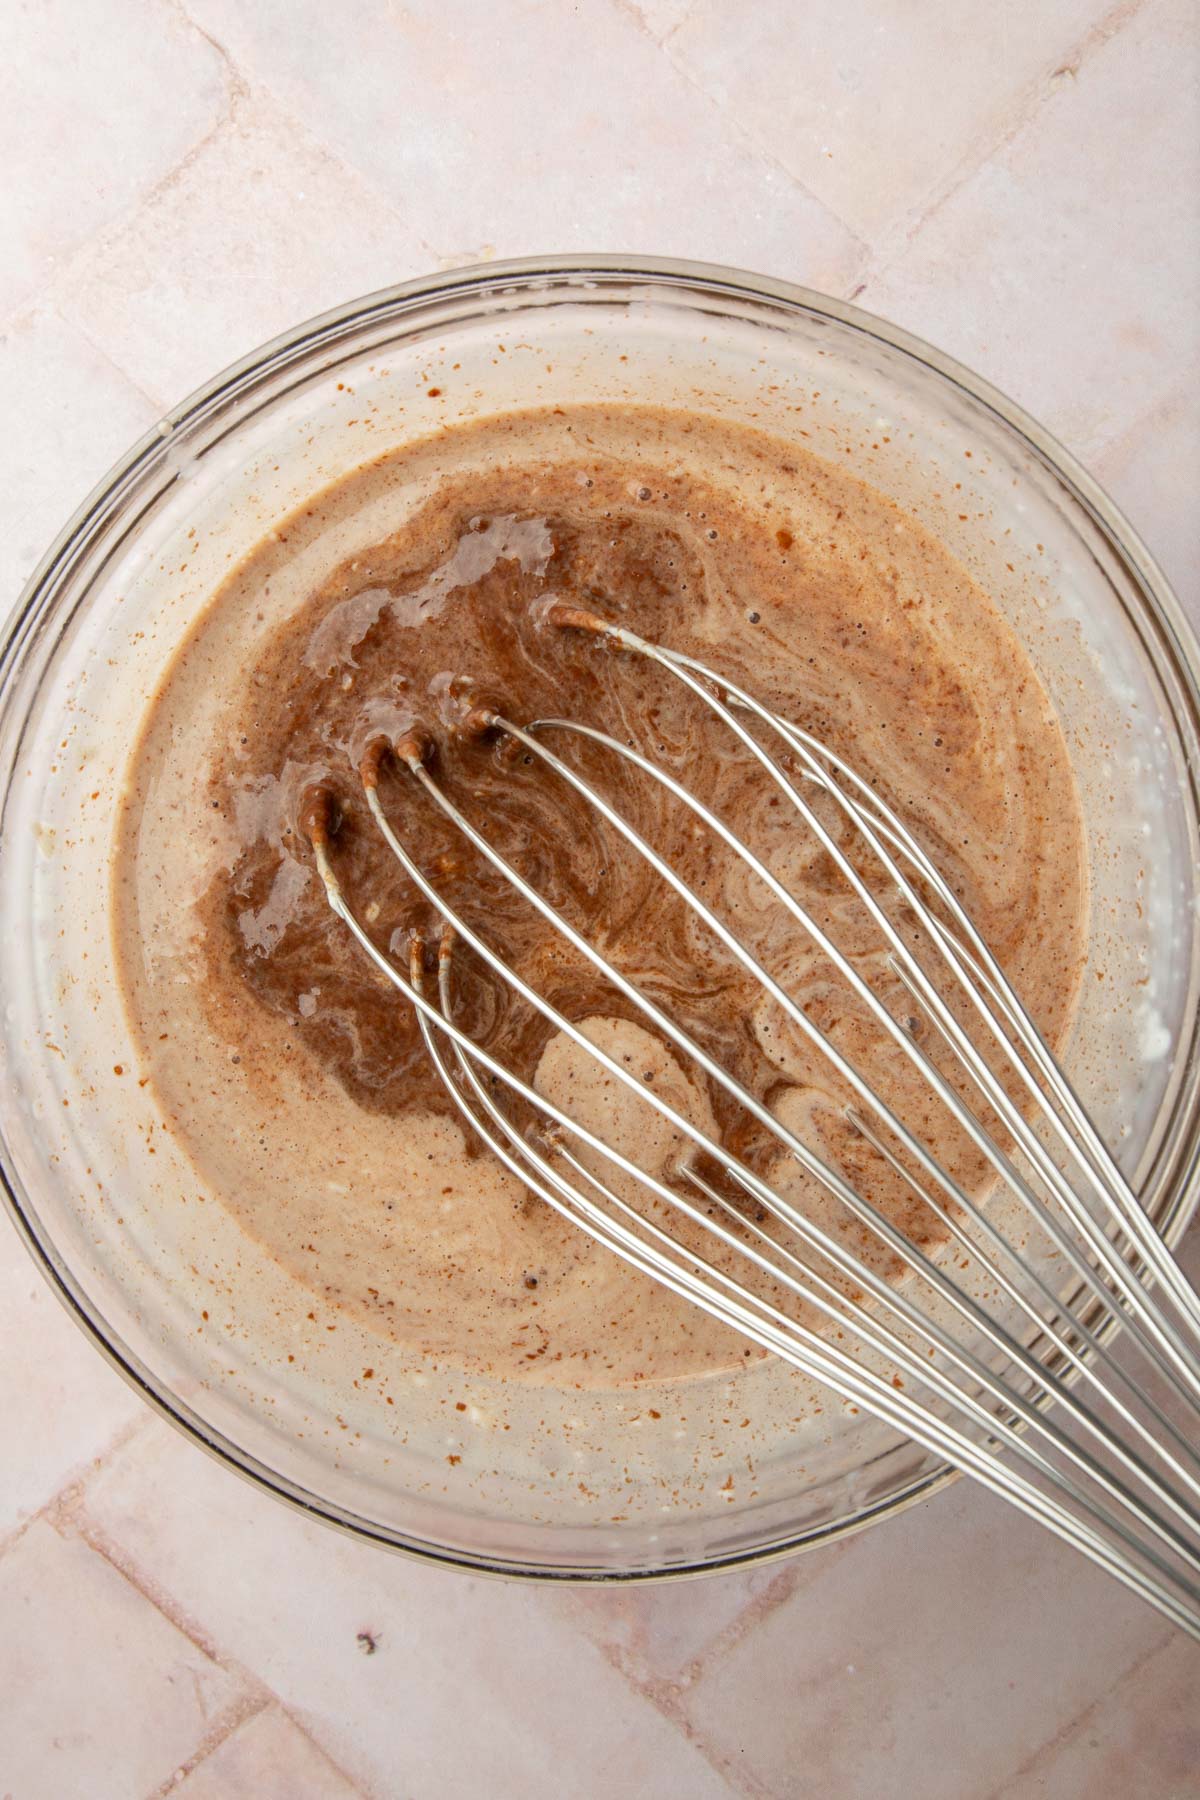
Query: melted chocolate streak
405, 660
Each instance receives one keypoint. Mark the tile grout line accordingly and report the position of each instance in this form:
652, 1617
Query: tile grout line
740, 133
66, 1513
1068, 1732
633, 12
56, 294
755, 1612
66, 1510
236, 84
47, 1511
91, 243
250, 87
1132, 428
665, 1696
230, 1720
71, 1514
51, 306
69, 1511
236, 92
56, 290
1025, 105
665, 1693
319, 1749
65, 279
895, 238
747, 1619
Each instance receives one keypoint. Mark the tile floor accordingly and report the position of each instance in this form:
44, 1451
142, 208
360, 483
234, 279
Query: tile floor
184, 178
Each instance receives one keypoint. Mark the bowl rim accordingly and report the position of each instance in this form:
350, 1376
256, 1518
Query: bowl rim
68, 550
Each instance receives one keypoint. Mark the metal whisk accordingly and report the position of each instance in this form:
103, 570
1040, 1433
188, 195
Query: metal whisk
1089, 1430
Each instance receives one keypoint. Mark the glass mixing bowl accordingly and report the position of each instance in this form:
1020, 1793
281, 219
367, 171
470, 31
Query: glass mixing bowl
152, 1267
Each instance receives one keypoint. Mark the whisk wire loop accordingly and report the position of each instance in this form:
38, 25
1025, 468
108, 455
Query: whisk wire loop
1035, 1398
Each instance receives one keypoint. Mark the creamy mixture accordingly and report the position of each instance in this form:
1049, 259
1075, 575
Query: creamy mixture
385, 612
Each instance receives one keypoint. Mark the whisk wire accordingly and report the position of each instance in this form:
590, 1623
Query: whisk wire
752, 1315
978, 964
1010, 1390
867, 1213
846, 1069
743, 1311
1115, 1193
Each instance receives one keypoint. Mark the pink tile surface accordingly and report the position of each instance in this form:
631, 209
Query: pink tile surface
77, 414
99, 103
465, 1675
1142, 1736
664, 1633
226, 245
61, 1404
928, 1659
267, 1758
1067, 267
504, 145
102, 1695
182, 178
875, 108
1153, 474
660, 17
